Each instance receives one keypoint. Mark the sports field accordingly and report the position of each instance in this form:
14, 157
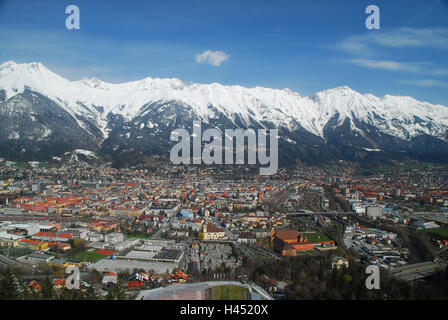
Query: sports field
315, 236
89, 256
229, 292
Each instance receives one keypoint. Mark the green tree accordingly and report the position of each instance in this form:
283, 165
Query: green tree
10, 286
116, 292
47, 291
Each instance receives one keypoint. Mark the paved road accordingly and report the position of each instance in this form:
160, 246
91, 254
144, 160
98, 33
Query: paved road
157, 235
193, 255
415, 271
7, 261
437, 217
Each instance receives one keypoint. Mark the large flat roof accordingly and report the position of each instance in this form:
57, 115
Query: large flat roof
140, 254
122, 265
168, 254
152, 248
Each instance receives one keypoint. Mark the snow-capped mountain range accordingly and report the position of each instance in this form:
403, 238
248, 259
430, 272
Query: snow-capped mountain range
123, 117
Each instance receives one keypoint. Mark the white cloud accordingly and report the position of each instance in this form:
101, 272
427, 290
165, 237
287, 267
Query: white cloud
425, 83
387, 65
440, 72
396, 38
215, 58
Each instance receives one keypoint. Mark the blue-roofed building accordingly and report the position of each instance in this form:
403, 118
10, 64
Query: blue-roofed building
186, 214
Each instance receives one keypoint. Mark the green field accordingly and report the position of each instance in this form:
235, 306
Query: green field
229, 292
48, 165
441, 232
424, 209
139, 236
89, 256
314, 236
305, 252
27, 165
22, 165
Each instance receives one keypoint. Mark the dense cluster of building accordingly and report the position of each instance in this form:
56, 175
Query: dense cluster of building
193, 219
379, 247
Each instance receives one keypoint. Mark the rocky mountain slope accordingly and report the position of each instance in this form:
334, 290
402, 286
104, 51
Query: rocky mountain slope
43, 115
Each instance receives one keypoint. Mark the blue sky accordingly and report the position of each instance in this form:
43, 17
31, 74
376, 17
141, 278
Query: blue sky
306, 45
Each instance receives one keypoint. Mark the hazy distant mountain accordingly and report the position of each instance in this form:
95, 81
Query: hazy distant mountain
44, 115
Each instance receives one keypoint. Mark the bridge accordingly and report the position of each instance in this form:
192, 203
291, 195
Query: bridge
308, 213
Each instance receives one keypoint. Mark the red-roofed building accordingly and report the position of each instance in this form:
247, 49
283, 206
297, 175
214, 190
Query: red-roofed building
52, 236
34, 284
33, 244
211, 232
58, 283
178, 277
288, 242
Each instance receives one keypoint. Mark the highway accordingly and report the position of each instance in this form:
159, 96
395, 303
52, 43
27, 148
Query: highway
416, 271
310, 213
430, 216
7, 262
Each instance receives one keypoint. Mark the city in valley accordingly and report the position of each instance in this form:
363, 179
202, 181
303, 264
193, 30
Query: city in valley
200, 232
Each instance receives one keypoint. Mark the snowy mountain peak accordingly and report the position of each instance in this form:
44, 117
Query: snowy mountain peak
92, 82
11, 66
402, 117
6, 64
343, 89
7, 67
37, 66
44, 111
